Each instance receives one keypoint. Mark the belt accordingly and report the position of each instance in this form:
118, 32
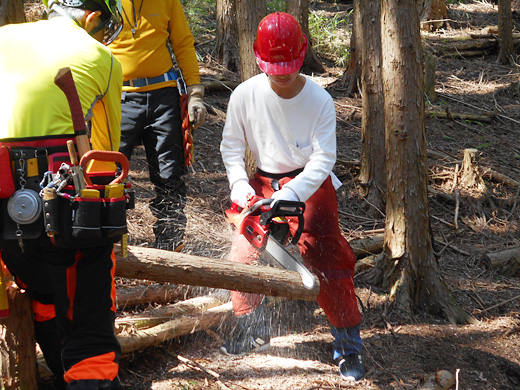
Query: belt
172, 74
278, 176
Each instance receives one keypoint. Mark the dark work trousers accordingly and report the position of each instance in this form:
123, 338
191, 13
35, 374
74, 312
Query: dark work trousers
80, 285
153, 119
324, 250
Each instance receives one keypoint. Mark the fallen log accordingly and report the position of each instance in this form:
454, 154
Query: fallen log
172, 267
156, 335
367, 246
506, 262
150, 318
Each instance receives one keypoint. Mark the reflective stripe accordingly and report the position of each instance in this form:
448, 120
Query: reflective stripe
172, 74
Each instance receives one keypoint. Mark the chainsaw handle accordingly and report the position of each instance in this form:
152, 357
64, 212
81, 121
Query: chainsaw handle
105, 155
255, 206
285, 208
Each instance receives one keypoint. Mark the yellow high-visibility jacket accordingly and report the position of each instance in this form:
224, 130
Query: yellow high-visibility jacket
144, 53
32, 107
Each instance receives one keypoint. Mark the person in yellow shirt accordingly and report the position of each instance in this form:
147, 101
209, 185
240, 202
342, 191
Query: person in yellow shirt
150, 104
73, 289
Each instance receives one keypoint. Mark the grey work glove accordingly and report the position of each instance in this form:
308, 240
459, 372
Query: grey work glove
196, 109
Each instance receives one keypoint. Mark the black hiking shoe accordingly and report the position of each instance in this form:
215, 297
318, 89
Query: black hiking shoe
351, 367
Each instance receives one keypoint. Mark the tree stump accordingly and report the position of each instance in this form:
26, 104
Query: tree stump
17, 345
471, 172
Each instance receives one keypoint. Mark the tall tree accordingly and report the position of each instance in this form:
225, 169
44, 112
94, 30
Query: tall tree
411, 270
249, 13
226, 35
350, 78
505, 33
300, 10
248, 16
372, 178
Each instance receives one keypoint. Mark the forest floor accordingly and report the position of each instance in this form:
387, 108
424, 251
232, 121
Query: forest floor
399, 352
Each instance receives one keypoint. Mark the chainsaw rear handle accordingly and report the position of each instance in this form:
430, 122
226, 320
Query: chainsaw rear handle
105, 155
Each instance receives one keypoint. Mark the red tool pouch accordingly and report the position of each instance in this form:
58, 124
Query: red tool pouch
6, 178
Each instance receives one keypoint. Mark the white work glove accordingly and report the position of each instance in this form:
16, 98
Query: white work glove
284, 194
196, 109
240, 192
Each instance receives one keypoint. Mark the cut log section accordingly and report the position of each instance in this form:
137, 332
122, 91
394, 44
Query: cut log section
172, 267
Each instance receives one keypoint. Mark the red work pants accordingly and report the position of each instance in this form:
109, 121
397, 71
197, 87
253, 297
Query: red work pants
324, 250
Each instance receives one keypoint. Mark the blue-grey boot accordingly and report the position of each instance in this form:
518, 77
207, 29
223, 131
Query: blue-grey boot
347, 347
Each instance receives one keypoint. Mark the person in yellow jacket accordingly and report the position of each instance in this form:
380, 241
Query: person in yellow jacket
73, 289
150, 105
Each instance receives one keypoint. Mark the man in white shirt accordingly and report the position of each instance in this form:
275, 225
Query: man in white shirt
289, 123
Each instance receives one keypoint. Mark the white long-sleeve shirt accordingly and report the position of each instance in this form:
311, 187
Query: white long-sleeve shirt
283, 134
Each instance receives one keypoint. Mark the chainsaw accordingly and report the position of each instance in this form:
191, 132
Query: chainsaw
267, 229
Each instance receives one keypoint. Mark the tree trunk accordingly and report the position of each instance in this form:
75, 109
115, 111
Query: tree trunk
17, 345
350, 78
173, 267
226, 35
505, 33
11, 11
433, 14
412, 272
248, 16
300, 10
372, 177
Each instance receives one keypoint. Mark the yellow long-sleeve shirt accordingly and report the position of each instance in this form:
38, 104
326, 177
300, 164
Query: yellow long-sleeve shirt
144, 53
31, 105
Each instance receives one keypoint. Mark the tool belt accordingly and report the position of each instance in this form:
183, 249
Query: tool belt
42, 198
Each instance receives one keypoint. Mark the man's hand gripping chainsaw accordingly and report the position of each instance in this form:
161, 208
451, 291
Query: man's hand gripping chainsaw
267, 229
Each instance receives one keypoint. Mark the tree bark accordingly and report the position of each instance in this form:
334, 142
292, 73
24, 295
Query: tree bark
433, 14
11, 11
412, 272
17, 345
372, 178
226, 41
248, 16
300, 10
157, 293
172, 267
505, 33
350, 78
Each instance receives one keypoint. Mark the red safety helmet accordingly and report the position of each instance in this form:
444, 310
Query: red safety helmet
280, 44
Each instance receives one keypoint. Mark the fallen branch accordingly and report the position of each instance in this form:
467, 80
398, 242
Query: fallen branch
454, 115
499, 304
190, 363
